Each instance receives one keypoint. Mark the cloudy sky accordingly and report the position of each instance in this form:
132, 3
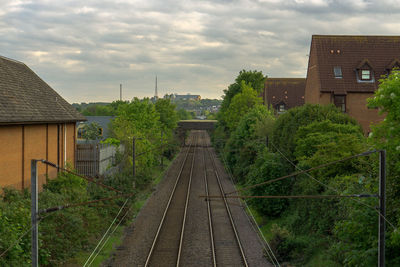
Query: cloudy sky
85, 49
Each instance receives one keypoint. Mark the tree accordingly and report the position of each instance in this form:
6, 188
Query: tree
287, 125
167, 113
241, 104
92, 131
386, 135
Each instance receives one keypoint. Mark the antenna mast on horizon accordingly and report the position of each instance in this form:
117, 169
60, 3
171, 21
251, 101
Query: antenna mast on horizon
156, 92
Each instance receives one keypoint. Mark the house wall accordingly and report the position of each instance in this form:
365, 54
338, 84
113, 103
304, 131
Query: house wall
356, 107
21, 143
312, 91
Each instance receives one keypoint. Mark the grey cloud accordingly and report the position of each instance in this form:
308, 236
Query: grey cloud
85, 49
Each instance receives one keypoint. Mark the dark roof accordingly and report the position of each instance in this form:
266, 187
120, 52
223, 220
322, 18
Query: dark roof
352, 53
289, 91
26, 98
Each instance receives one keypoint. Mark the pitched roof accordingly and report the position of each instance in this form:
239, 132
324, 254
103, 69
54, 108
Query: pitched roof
349, 53
26, 98
289, 91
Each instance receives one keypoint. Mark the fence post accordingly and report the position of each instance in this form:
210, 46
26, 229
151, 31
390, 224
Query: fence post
382, 208
34, 213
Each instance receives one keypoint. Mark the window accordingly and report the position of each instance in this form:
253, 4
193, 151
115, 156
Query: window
365, 75
340, 102
338, 72
280, 108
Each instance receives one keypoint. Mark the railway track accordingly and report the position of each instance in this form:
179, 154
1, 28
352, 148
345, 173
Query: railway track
167, 243
218, 238
225, 241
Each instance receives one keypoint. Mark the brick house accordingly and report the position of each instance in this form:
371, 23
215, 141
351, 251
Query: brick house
35, 123
284, 93
345, 71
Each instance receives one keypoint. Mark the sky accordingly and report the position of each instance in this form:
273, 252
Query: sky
86, 49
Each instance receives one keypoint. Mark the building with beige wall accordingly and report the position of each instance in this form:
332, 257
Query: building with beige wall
35, 123
345, 71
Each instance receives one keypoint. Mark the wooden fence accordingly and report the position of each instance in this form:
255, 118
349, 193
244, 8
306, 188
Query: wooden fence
95, 159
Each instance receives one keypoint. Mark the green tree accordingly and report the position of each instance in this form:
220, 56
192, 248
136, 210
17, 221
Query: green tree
241, 104
386, 135
92, 131
167, 113
247, 140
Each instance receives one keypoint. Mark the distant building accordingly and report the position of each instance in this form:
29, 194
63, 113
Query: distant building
345, 71
284, 93
102, 121
35, 123
183, 97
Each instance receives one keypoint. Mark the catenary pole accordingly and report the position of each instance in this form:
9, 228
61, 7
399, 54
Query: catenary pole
34, 213
382, 207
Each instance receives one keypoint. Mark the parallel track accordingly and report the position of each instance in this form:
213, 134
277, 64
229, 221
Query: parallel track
167, 243
223, 232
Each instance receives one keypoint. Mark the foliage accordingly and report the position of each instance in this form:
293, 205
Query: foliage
184, 114
286, 126
92, 131
167, 113
245, 142
63, 233
268, 166
241, 103
112, 141
386, 135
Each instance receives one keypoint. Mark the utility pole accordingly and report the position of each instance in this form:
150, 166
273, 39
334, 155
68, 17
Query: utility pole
34, 214
120, 92
382, 208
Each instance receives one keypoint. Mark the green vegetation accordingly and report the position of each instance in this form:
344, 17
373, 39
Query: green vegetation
314, 232
185, 109
73, 232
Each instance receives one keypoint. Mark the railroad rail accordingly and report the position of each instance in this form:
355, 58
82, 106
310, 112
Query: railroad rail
167, 243
225, 241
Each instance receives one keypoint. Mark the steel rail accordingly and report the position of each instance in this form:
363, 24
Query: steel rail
228, 210
150, 254
209, 212
186, 205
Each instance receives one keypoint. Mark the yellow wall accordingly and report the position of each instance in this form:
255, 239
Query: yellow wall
22, 143
10, 156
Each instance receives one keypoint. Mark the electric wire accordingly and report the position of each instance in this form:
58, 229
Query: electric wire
21, 236
334, 189
304, 172
109, 236
112, 223
269, 251
92, 180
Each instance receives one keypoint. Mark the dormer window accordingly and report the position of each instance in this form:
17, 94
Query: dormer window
365, 74
338, 72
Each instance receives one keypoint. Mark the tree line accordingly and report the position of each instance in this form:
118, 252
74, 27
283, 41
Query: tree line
313, 232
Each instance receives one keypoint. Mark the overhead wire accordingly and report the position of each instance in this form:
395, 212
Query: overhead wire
112, 223
268, 250
332, 188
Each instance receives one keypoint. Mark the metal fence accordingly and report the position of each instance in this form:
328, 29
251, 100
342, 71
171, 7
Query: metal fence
95, 159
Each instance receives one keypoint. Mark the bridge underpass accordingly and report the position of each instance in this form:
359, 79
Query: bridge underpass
184, 126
